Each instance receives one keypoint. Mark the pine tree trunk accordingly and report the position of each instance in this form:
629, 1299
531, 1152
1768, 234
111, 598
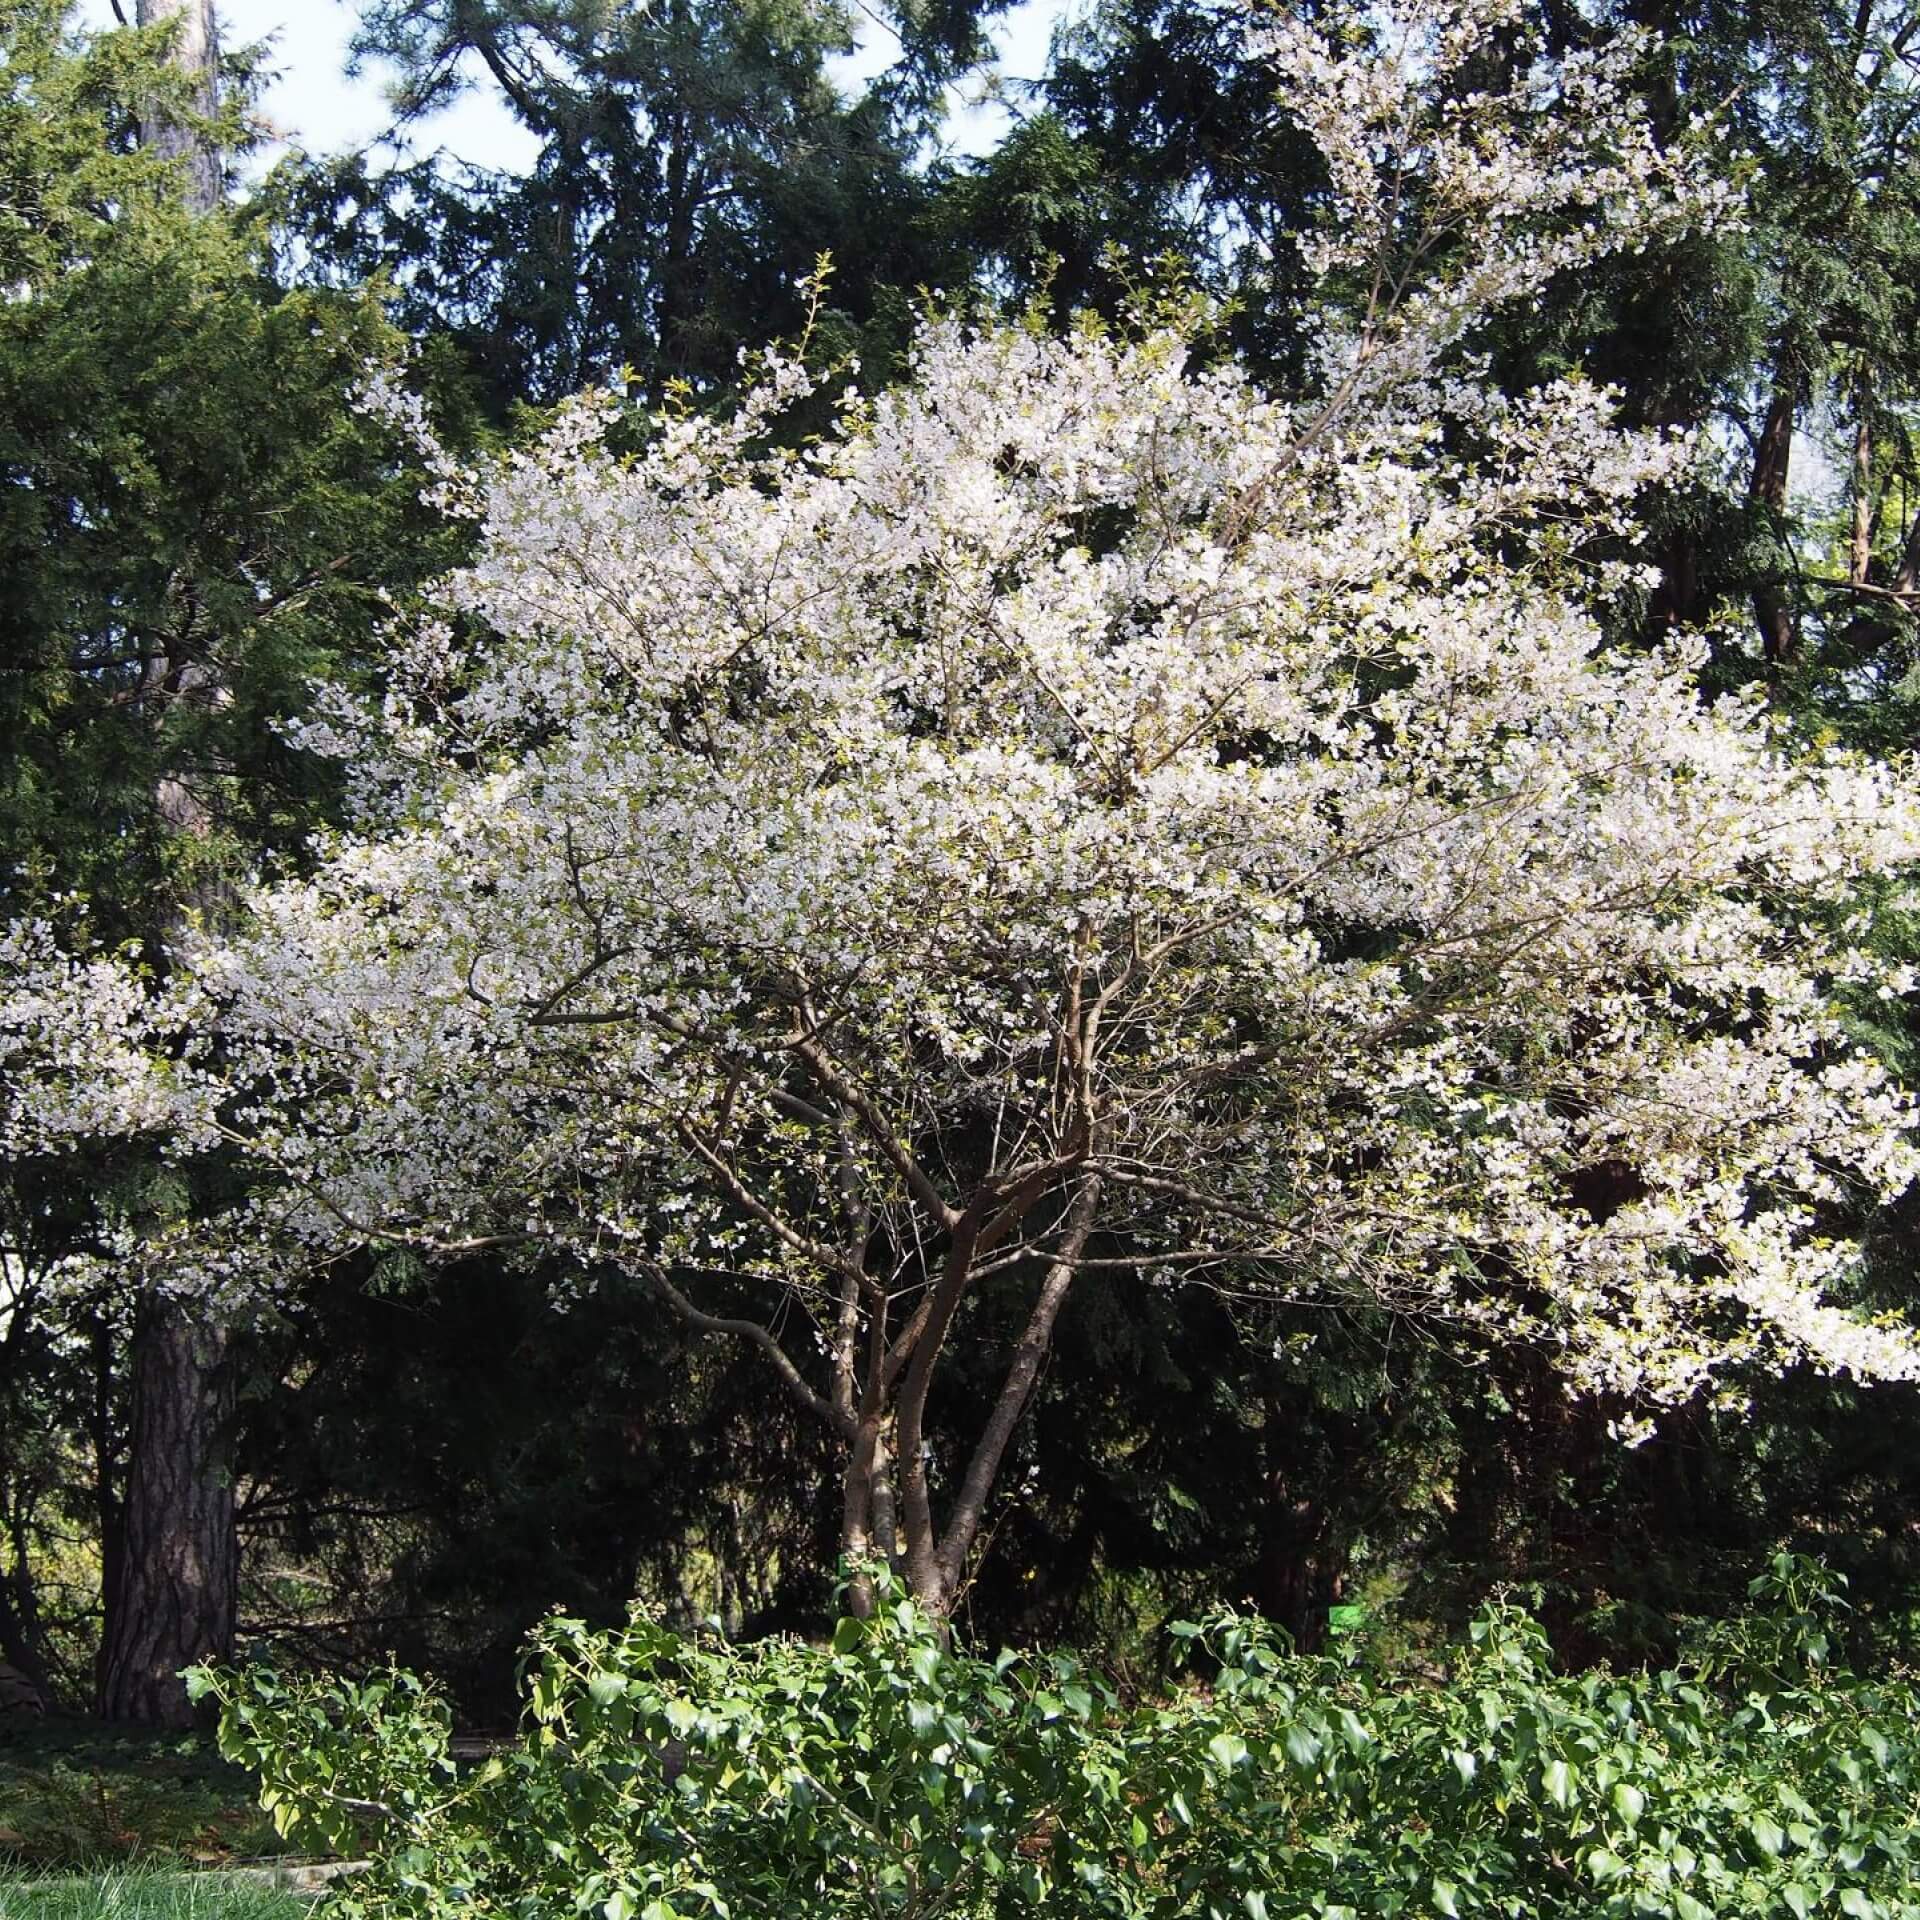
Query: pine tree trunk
179, 1573
1297, 1573
30, 1688
197, 52
1860, 546
172, 1599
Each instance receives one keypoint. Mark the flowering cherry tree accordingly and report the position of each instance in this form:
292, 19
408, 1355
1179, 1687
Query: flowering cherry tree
1086, 821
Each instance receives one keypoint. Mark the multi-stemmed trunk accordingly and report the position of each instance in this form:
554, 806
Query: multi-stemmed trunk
888, 1503
882, 1376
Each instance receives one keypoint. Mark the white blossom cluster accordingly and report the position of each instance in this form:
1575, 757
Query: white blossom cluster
1078, 766
1466, 169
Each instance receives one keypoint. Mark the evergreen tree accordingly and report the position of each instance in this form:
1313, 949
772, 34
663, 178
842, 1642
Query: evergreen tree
695, 159
195, 521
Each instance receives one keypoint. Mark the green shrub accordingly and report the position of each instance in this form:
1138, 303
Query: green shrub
890, 1774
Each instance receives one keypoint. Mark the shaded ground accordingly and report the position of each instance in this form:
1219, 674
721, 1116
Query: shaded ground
73, 1795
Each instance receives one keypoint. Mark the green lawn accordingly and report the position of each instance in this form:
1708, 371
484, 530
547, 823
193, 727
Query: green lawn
143, 1894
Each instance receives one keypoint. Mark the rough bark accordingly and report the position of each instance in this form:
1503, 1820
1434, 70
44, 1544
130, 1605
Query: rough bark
179, 1574
1295, 1583
197, 52
108, 1509
1296, 1574
1907, 575
171, 1600
31, 1687
22, 1636
1678, 600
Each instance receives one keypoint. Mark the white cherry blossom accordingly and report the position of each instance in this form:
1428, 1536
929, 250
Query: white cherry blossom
1083, 819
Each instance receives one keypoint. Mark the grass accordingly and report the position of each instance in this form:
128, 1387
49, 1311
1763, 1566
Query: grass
144, 1893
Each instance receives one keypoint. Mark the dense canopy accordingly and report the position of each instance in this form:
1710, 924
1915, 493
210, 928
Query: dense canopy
1171, 884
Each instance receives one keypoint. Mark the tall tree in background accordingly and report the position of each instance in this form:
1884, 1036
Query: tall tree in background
176, 1585
1842, 269
695, 158
1795, 335
194, 521
1157, 134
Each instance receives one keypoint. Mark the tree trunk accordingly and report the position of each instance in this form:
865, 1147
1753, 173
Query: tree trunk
21, 1635
171, 1601
1678, 600
179, 1575
1772, 611
1860, 546
1296, 1586
1016, 1390
109, 1511
1907, 575
867, 1526
882, 1425
1295, 1575
197, 52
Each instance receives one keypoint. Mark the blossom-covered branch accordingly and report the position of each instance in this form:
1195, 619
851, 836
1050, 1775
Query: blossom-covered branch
1082, 816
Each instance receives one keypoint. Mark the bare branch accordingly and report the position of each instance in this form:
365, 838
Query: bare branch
755, 1335
919, 1182
828, 1259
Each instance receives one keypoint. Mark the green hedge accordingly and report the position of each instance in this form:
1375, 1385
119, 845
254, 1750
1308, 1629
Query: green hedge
892, 1774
